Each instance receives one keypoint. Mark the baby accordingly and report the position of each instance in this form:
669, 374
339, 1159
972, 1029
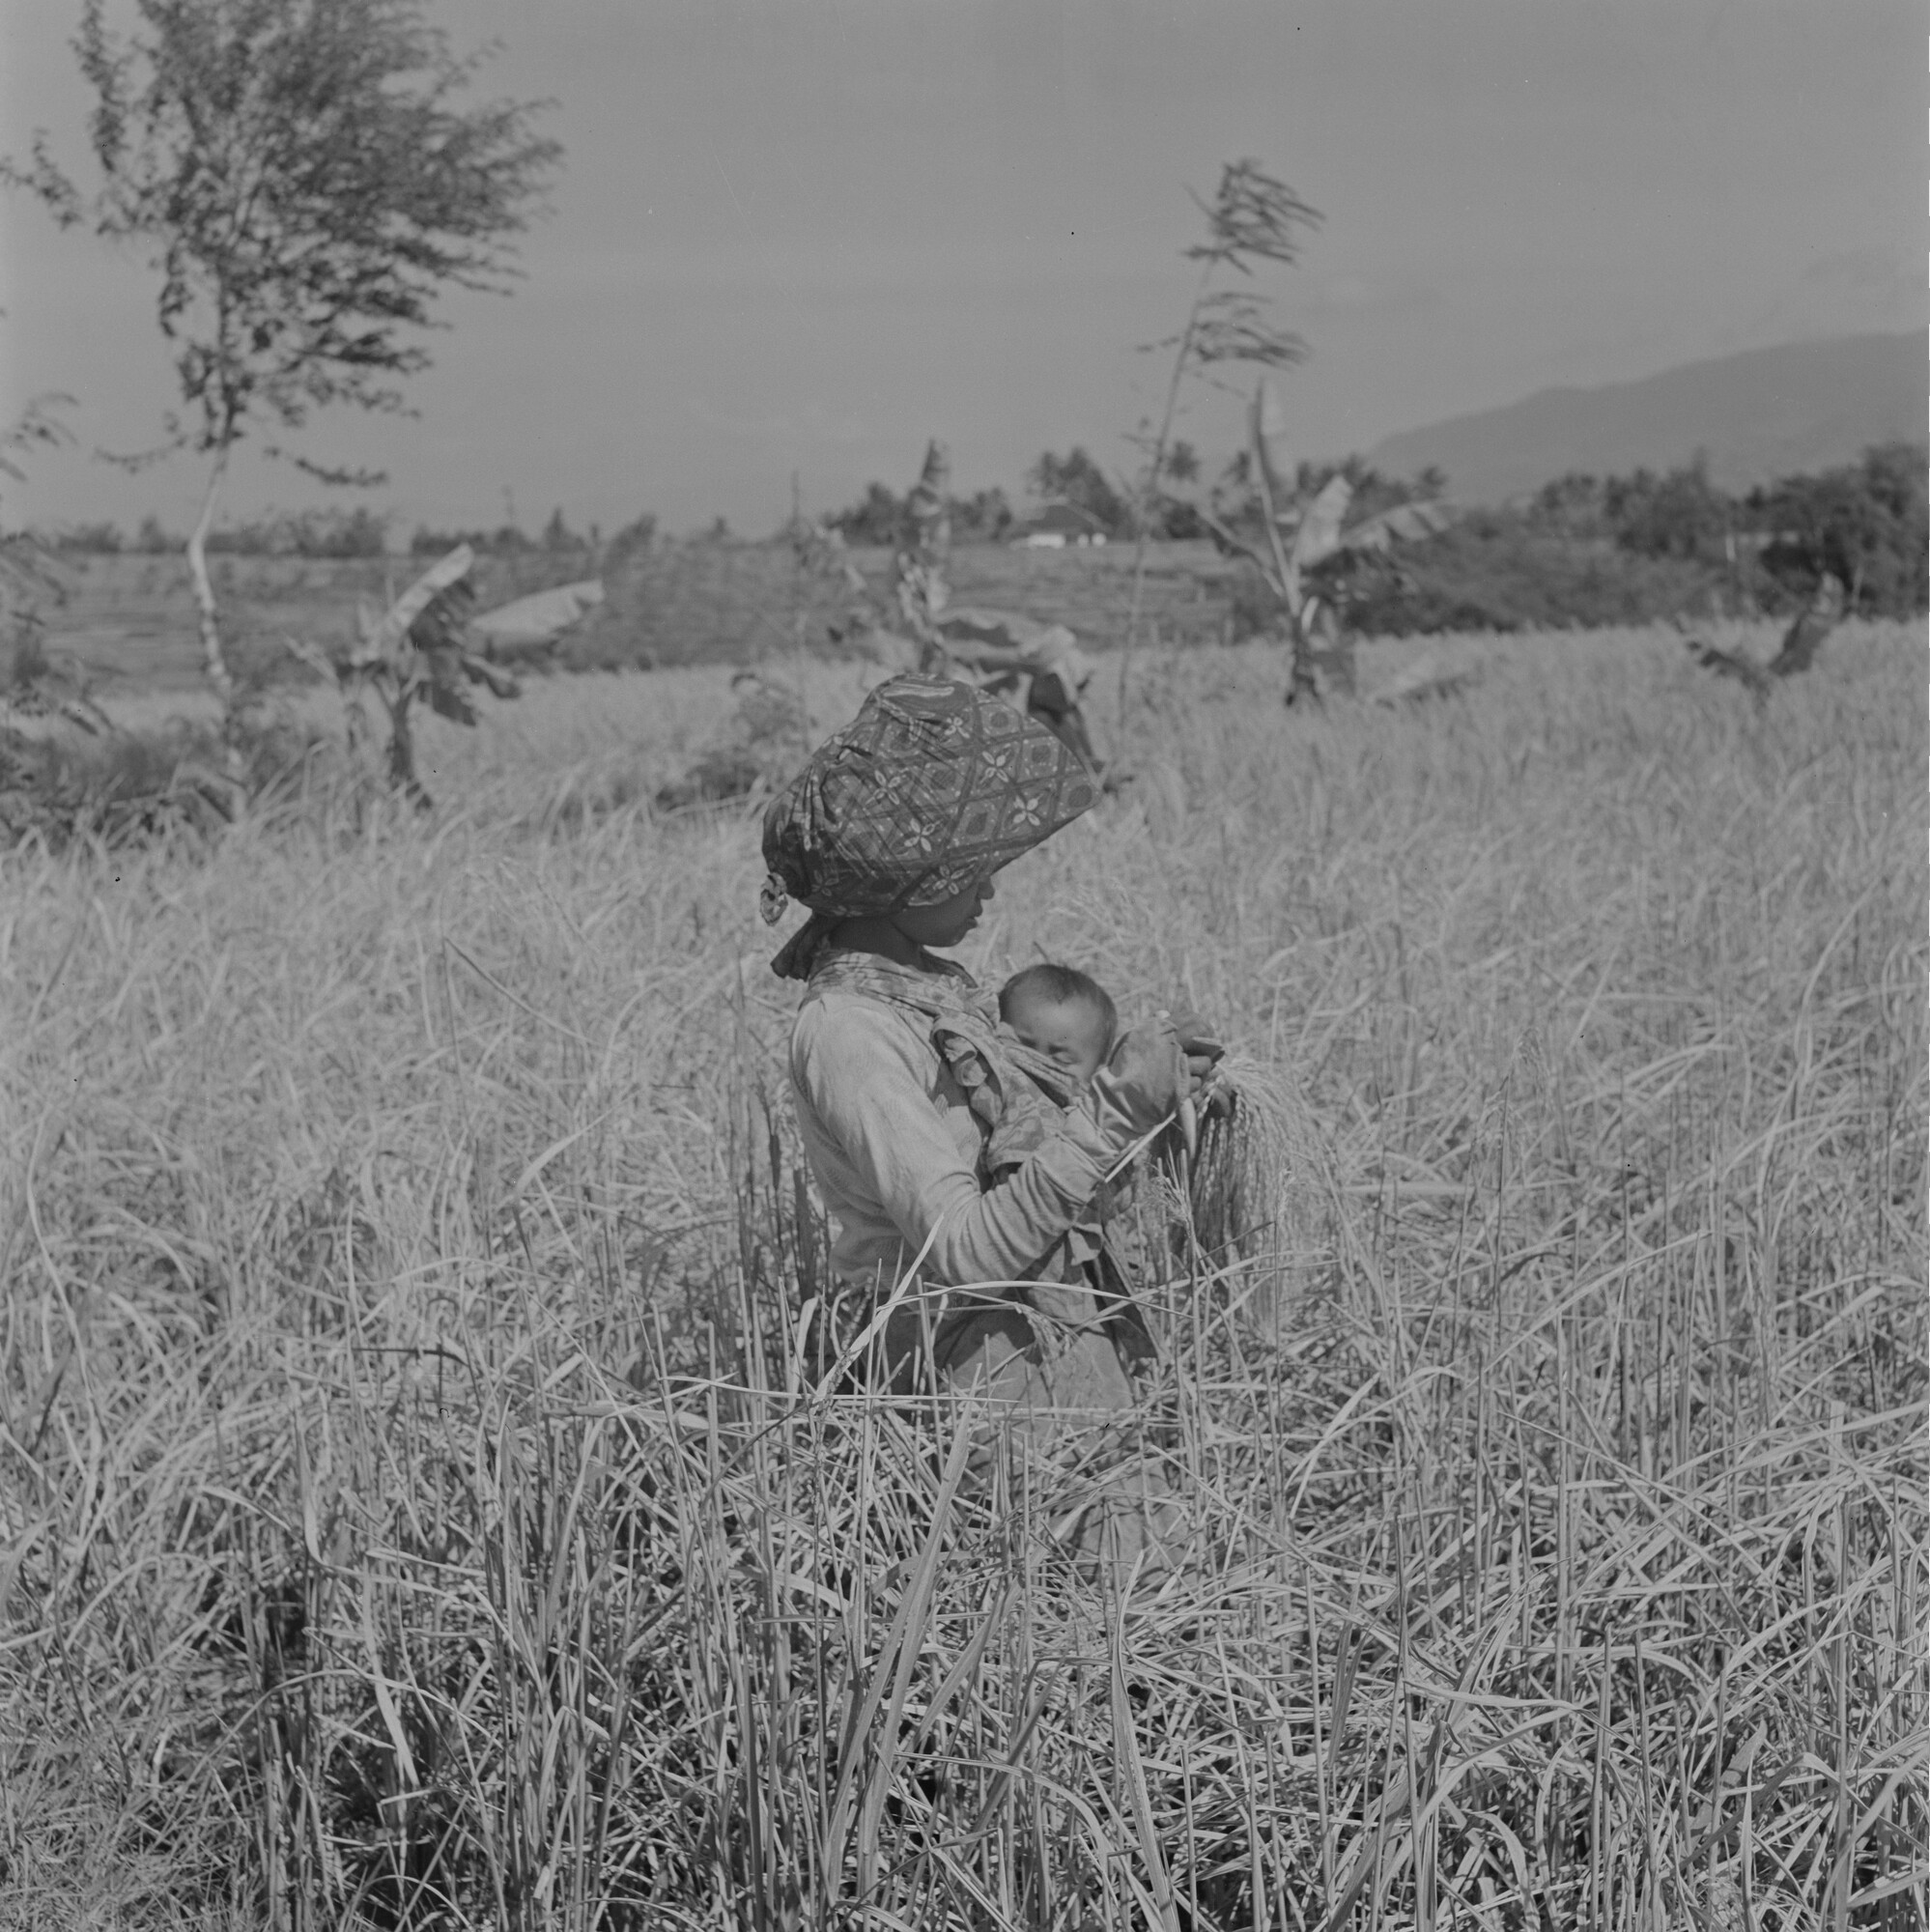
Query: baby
1063, 1013
1067, 1016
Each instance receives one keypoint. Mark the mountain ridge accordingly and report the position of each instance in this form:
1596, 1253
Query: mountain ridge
1758, 414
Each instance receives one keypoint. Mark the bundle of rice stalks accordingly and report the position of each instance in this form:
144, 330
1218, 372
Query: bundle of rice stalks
1264, 1180
1238, 1203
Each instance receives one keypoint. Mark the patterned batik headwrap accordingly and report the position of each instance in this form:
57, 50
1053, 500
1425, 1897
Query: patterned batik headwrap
933, 786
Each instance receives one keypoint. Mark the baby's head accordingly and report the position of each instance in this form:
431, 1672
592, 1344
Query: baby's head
1063, 1013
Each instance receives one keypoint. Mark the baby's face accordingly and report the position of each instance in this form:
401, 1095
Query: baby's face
1073, 1033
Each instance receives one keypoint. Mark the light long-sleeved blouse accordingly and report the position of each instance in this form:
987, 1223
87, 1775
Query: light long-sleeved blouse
894, 1146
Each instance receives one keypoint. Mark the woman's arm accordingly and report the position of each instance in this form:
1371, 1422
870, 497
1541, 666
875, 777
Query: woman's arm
866, 1075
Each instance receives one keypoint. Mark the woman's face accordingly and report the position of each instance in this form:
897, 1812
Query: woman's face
949, 921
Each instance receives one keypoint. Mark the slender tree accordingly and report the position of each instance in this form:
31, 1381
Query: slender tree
307, 178
1252, 219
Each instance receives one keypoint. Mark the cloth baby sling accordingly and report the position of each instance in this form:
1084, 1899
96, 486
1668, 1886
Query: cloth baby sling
1073, 1321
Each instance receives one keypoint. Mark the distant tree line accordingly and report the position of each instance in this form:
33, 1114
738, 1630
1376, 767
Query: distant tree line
1110, 505
1106, 504
1589, 550
1863, 523
507, 539
1582, 549
307, 534
323, 534
879, 517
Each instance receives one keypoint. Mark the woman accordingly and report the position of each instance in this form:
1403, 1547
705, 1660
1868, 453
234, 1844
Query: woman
960, 1192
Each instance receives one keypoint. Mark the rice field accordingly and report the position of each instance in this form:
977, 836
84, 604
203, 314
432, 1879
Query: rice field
427, 1497
130, 618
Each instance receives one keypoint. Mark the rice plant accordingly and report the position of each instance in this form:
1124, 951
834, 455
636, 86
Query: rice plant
437, 1491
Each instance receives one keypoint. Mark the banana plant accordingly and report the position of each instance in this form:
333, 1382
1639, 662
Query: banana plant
1297, 533
417, 649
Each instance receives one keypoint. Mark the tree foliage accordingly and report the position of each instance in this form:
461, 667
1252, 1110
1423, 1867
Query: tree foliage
879, 518
1865, 524
1621, 549
306, 533
1678, 513
101, 537
1496, 571
1253, 217
308, 184
875, 519
1075, 478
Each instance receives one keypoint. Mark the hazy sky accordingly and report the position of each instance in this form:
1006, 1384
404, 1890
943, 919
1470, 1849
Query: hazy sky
805, 234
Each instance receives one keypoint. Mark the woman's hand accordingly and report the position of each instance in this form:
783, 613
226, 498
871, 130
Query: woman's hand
1198, 1048
1157, 1068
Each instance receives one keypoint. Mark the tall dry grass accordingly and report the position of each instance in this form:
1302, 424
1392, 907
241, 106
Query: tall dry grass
423, 1504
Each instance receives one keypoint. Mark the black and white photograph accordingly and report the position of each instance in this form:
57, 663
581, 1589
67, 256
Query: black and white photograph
963, 966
